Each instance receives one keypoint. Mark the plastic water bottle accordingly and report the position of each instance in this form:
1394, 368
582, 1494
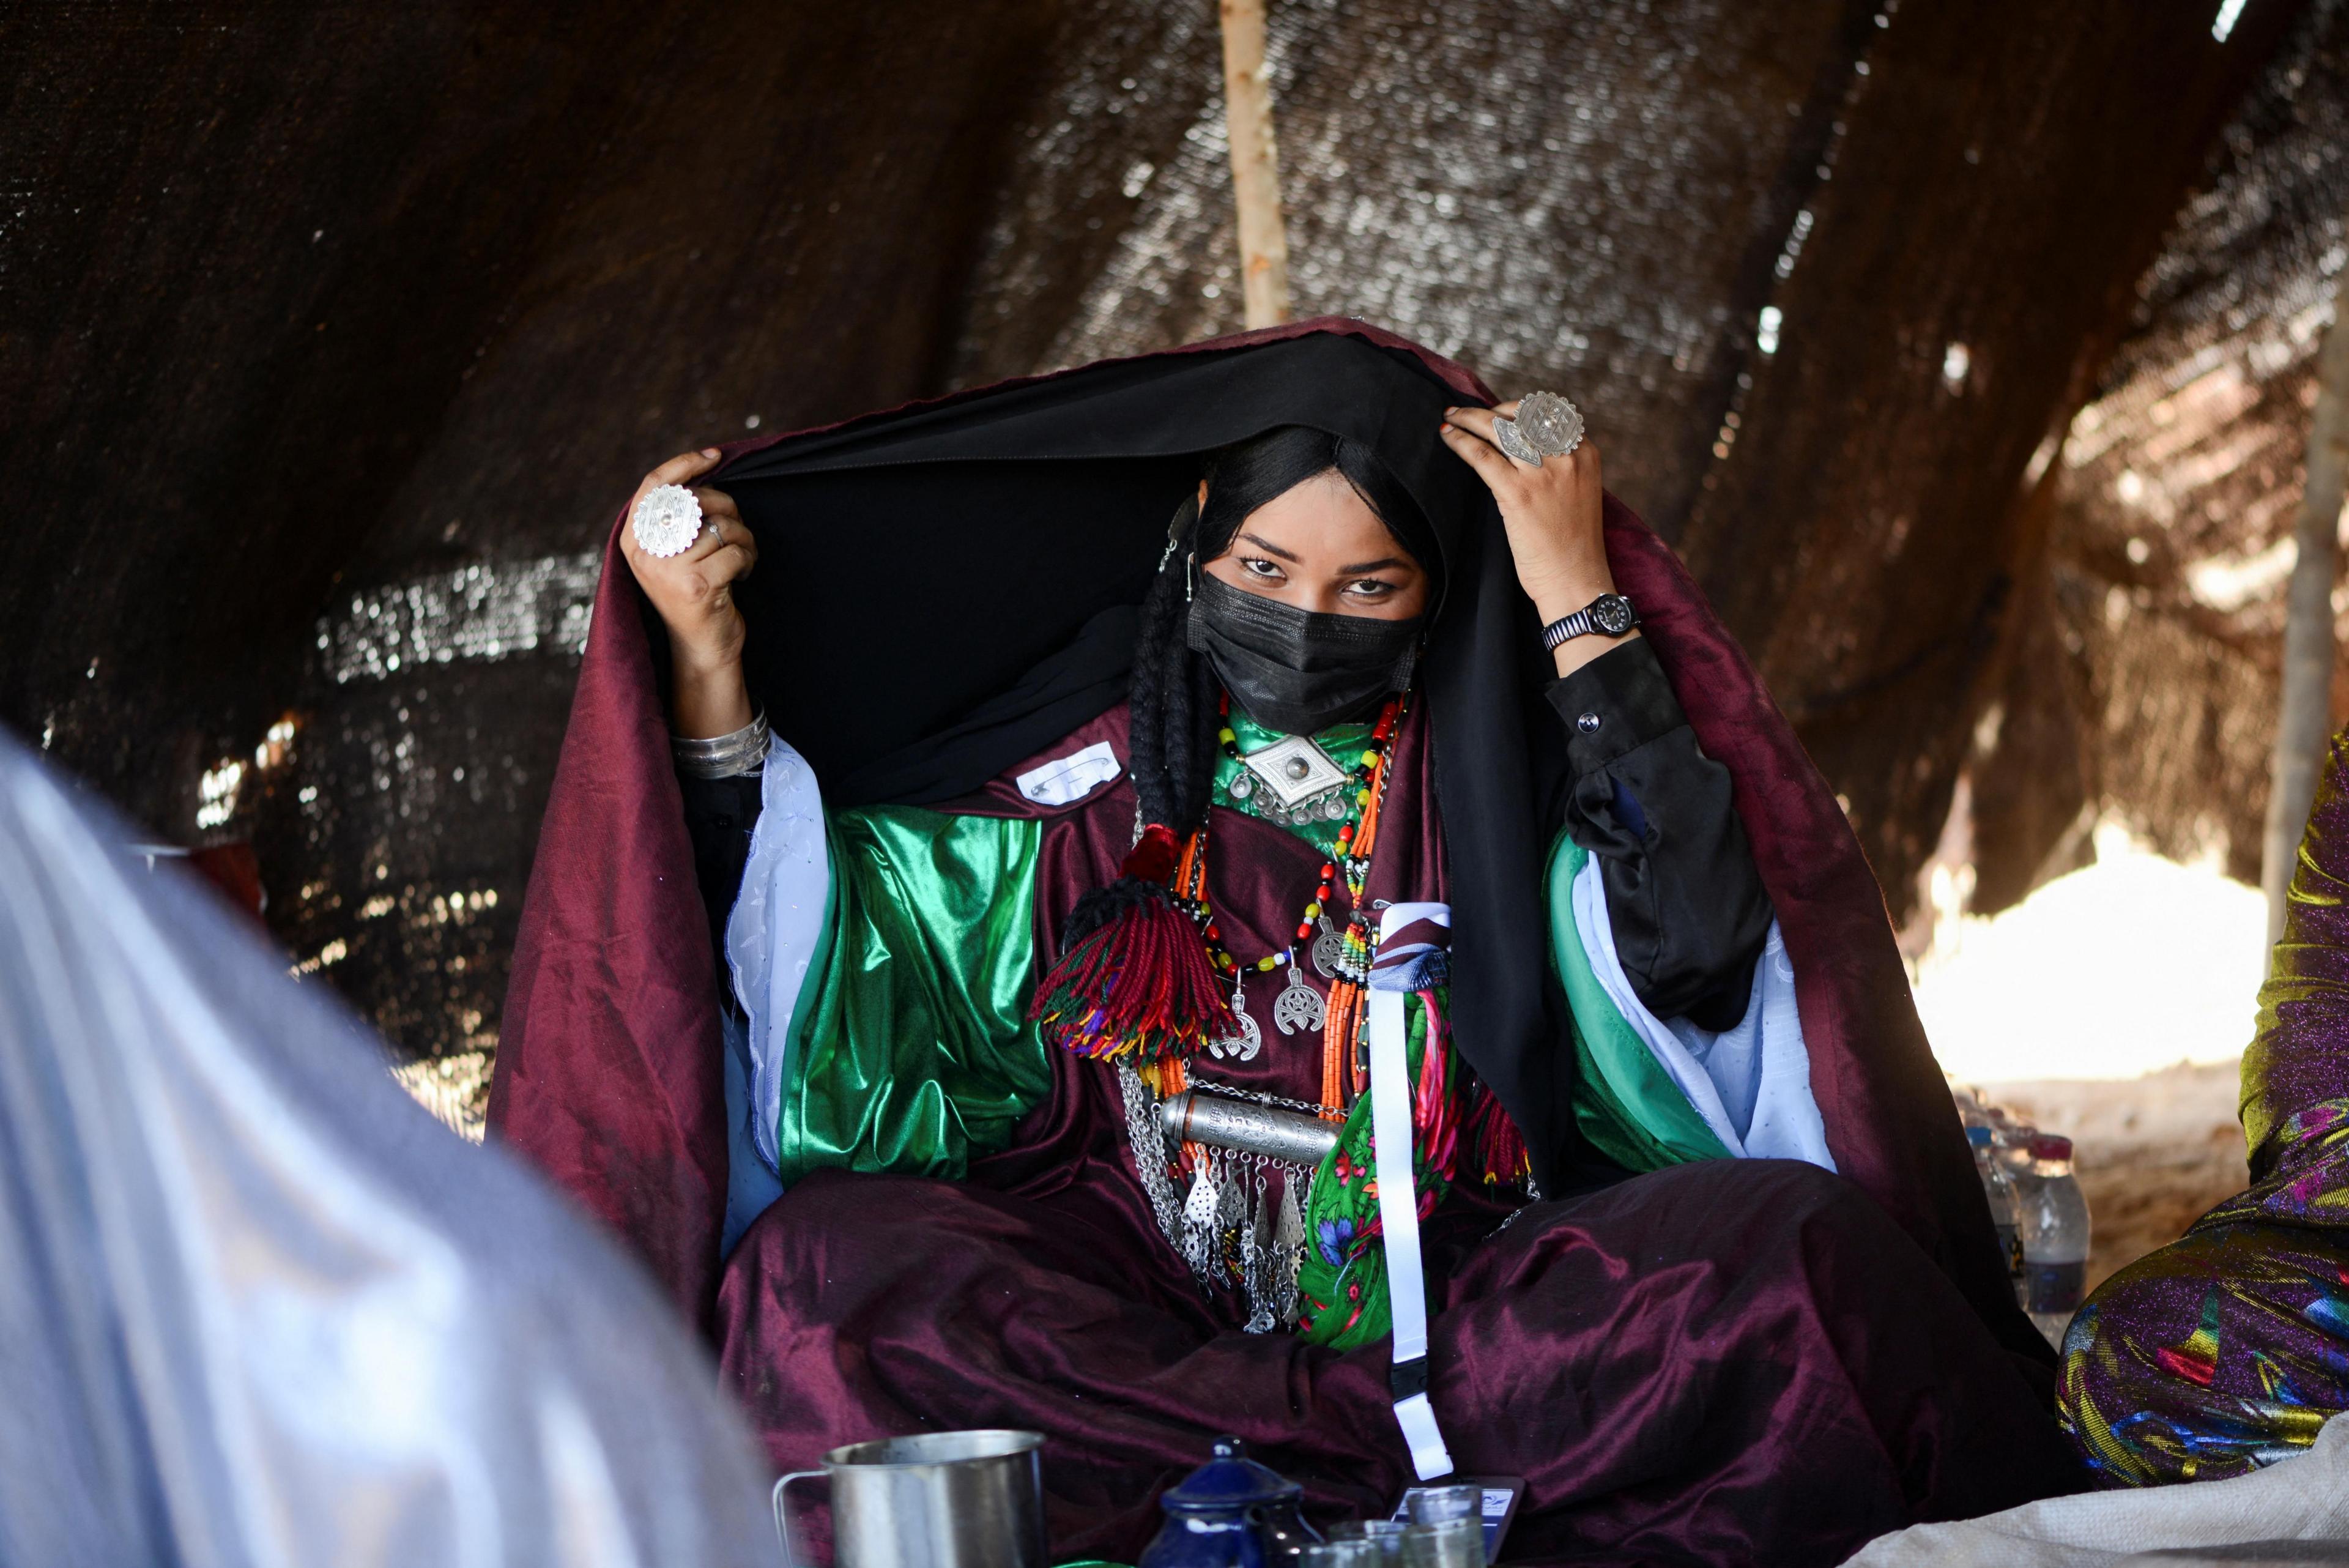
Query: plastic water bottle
2011, 1139
2054, 1218
1998, 1190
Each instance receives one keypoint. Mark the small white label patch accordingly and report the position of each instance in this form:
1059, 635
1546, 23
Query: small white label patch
1070, 778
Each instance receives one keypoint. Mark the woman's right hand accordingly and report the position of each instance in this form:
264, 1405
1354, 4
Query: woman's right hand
693, 594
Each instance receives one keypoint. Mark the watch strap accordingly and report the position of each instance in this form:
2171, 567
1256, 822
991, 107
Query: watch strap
1565, 628
1584, 621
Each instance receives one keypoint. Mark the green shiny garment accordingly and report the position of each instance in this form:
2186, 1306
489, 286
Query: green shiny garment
1626, 1103
910, 1048
1343, 743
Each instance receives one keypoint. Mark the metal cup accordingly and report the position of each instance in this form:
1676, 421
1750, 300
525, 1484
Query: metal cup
939, 1499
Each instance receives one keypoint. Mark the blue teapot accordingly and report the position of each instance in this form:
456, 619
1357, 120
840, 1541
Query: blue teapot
1230, 1513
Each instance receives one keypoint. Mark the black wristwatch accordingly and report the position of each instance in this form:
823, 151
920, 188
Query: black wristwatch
1608, 614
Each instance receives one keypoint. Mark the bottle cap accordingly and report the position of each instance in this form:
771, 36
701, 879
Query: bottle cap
2047, 1145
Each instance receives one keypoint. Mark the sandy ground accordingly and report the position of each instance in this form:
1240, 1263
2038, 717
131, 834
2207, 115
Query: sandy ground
2153, 1153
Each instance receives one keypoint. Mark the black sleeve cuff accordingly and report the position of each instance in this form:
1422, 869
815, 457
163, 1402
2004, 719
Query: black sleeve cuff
715, 808
1614, 705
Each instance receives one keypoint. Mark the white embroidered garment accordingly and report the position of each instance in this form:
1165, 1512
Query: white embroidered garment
1752, 1082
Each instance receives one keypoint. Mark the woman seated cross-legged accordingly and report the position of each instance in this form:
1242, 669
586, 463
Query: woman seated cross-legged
1235, 891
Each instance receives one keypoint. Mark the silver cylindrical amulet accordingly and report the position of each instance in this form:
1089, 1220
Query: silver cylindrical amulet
1251, 1128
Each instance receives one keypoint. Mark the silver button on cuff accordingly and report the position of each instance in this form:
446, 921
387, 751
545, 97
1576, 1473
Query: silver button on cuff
1588, 723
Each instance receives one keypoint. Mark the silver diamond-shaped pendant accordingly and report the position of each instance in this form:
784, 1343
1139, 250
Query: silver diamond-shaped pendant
1199, 1246
1288, 1228
1231, 1207
1295, 770
1287, 1249
1199, 1205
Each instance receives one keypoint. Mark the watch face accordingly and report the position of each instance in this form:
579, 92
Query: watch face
1612, 613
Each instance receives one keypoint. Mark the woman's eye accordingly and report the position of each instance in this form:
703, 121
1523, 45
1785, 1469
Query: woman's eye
1256, 566
1372, 588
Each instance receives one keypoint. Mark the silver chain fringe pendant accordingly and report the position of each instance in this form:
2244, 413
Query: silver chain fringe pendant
1148, 1142
1226, 1229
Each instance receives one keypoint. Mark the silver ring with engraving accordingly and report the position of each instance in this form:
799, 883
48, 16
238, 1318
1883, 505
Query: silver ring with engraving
1545, 425
1506, 437
666, 520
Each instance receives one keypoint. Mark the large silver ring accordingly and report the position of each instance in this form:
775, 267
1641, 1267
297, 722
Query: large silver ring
666, 520
1545, 425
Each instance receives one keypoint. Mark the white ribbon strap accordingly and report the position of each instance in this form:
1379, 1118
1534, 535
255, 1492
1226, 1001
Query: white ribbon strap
1399, 1207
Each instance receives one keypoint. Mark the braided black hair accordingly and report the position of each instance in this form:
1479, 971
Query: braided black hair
1172, 694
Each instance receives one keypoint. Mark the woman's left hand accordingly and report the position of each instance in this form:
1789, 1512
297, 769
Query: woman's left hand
1556, 519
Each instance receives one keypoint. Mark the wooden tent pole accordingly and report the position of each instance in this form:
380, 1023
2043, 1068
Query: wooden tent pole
2305, 722
1256, 166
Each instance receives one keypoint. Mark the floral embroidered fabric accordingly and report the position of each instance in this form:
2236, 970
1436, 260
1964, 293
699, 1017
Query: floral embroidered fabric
1342, 1282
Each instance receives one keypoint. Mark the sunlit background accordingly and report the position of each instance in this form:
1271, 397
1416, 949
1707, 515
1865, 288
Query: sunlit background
2134, 963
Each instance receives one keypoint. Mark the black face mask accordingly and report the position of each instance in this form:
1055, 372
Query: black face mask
1296, 670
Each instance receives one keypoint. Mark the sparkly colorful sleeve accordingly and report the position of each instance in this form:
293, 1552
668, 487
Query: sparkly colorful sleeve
911, 1045
2295, 1093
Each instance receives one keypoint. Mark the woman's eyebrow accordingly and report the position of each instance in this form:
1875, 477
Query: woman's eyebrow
1360, 566
1272, 549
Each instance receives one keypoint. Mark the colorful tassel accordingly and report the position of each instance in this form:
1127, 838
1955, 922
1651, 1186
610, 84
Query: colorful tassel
1134, 978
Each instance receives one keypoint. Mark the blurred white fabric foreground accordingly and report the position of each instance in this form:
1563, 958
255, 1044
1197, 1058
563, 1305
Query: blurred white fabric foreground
258, 1308
2296, 1511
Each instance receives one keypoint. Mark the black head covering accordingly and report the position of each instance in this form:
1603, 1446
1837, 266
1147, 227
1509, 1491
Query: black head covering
946, 589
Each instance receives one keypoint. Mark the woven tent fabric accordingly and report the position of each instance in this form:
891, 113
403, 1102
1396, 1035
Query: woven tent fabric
2148, 687
1592, 197
395, 298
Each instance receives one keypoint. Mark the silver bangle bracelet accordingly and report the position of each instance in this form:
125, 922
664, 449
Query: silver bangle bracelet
723, 756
